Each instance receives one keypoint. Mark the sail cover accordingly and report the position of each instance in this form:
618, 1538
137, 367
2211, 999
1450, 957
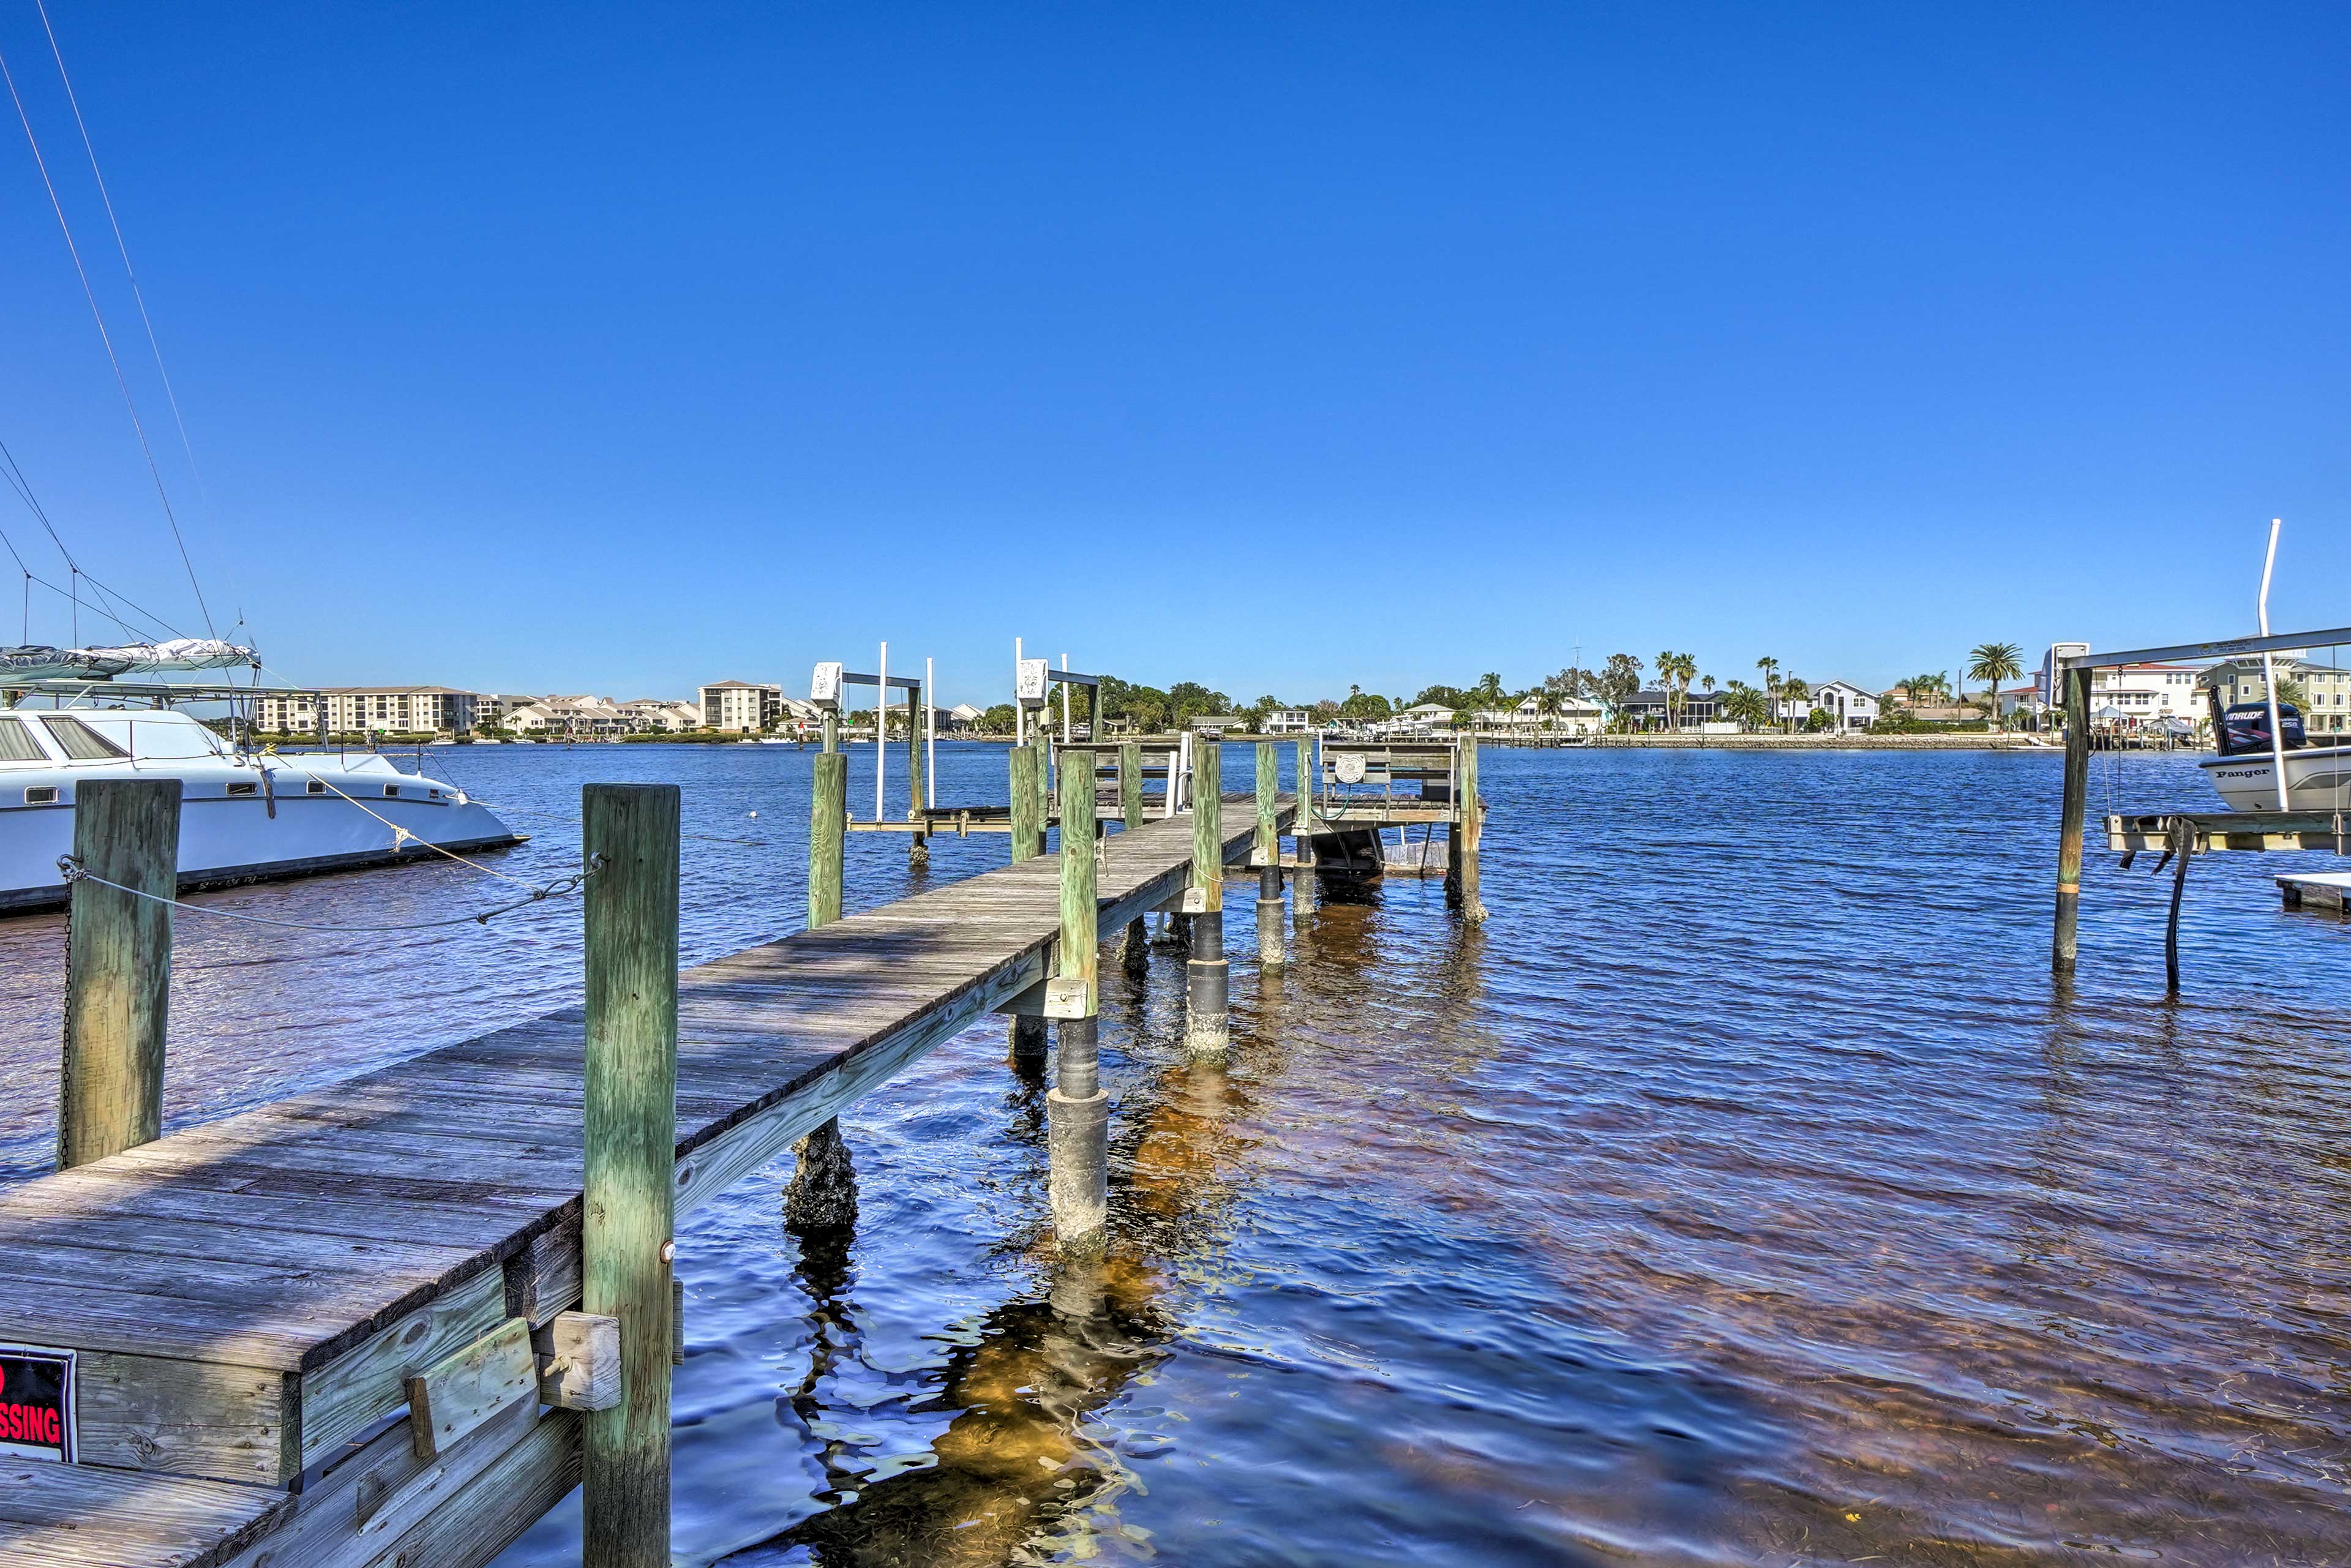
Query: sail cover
39, 664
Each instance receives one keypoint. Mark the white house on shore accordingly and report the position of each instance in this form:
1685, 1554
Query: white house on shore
1848, 705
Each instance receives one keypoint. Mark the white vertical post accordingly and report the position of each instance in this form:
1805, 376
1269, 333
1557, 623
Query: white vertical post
2269, 672
1065, 700
1019, 714
881, 729
930, 733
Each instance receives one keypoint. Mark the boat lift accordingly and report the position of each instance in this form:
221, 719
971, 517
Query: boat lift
827, 687
2178, 835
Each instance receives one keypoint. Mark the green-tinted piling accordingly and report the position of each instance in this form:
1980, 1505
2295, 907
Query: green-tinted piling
118, 968
1028, 1033
1130, 785
630, 836
918, 792
1077, 1107
828, 827
1207, 1022
1272, 951
1026, 820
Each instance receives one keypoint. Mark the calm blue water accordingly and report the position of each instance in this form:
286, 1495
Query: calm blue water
1742, 1192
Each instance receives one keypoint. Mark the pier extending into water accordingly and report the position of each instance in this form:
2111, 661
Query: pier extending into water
396, 1321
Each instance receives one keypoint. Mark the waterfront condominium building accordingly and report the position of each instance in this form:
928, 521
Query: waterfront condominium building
380, 710
744, 706
2325, 689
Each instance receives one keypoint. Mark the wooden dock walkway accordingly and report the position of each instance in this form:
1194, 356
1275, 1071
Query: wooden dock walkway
246, 1300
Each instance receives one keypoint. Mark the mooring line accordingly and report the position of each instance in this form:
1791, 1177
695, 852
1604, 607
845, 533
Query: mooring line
73, 871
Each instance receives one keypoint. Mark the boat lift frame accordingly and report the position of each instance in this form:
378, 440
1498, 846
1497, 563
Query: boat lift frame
2180, 835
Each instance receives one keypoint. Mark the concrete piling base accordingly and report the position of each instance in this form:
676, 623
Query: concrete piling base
822, 1196
1272, 951
1208, 1002
1077, 1141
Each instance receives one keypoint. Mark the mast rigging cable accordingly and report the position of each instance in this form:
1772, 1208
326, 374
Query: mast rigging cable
105, 338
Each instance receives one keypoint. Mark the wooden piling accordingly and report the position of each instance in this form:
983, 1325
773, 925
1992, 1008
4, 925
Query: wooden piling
1046, 762
1270, 947
118, 968
828, 828
918, 850
1130, 784
1027, 820
1077, 1108
1136, 950
1028, 1033
2063, 946
630, 835
1468, 830
1302, 827
1207, 1022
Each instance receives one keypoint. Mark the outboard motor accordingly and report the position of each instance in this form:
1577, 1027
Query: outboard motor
2246, 729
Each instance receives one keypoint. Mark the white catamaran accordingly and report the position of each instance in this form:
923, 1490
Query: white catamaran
245, 816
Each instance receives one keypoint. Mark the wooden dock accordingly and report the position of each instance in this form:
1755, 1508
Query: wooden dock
2317, 890
295, 1331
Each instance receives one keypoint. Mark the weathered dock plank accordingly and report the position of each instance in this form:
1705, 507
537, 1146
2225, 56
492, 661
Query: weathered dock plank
250, 1296
75, 1516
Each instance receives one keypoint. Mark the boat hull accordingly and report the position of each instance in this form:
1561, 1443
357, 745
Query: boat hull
2317, 779
242, 817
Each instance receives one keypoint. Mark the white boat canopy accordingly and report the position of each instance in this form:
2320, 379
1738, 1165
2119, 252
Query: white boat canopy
40, 663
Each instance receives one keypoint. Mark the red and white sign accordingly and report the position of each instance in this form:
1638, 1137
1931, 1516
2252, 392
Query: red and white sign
37, 1403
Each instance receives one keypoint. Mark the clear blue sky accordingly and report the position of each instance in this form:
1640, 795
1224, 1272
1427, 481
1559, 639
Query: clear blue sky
621, 348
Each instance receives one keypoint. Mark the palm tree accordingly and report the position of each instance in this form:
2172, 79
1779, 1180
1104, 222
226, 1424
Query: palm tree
1792, 690
1770, 666
1992, 663
1748, 705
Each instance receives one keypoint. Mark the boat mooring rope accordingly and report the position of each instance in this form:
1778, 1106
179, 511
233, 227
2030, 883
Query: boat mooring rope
73, 871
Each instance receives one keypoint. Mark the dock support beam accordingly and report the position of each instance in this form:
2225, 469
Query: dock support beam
1207, 1003
1271, 952
828, 826
118, 968
630, 836
2063, 946
1462, 836
1077, 1108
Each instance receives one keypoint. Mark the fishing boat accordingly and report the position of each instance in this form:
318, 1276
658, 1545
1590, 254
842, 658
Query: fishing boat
2256, 740
2317, 778
244, 815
